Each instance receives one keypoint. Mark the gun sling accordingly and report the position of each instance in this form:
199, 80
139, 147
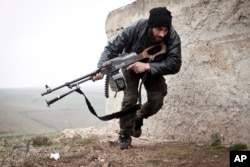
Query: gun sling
118, 114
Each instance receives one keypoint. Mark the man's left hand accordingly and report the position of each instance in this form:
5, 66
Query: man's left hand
139, 67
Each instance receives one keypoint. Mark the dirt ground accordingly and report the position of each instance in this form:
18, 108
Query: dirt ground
102, 150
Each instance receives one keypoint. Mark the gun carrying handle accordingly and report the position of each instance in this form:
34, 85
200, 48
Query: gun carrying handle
145, 53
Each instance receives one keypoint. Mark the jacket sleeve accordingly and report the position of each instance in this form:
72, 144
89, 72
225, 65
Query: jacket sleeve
117, 44
171, 64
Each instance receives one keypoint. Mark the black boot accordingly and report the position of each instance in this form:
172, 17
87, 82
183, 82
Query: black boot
124, 141
138, 125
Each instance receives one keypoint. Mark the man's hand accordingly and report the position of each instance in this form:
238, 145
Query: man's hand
98, 76
139, 67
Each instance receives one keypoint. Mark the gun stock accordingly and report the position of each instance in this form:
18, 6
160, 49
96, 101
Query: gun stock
146, 54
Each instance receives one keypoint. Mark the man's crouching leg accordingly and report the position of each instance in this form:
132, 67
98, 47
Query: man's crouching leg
126, 131
127, 123
156, 91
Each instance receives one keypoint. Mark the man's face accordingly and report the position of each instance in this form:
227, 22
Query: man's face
157, 34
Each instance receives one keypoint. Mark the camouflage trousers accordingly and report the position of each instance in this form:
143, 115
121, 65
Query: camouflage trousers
156, 89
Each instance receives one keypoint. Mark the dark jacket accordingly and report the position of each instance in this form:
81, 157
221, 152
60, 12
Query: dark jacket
130, 40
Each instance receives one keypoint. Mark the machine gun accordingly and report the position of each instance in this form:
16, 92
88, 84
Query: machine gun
111, 69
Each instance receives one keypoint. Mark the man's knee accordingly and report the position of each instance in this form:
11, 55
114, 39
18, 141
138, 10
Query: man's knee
155, 104
156, 97
152, 106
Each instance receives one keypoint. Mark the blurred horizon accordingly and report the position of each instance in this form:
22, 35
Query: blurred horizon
24, 111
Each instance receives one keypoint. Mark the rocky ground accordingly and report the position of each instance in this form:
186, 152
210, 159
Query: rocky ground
91, 147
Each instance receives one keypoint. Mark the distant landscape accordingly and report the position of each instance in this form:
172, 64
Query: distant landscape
24, 111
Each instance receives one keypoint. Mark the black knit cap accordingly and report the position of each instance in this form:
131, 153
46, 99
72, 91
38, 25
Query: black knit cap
160, 17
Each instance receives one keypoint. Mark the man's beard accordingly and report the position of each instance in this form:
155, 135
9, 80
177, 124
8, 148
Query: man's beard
154, 39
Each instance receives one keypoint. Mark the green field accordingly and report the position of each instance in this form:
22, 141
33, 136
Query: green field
24, 111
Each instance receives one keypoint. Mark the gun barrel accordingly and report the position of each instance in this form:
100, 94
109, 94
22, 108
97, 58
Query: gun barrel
48, 90
72, 83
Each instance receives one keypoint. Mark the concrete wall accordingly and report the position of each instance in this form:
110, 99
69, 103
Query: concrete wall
211, 94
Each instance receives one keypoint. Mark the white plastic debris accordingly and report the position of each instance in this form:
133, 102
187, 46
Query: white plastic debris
54, 156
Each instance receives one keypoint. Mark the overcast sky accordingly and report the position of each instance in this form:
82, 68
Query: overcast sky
51, 41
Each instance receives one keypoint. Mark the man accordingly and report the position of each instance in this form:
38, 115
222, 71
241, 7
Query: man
135, 38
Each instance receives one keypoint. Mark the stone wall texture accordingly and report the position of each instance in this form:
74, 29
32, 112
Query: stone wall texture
211, 93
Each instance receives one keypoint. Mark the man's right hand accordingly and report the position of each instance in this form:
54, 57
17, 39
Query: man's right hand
98, 76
